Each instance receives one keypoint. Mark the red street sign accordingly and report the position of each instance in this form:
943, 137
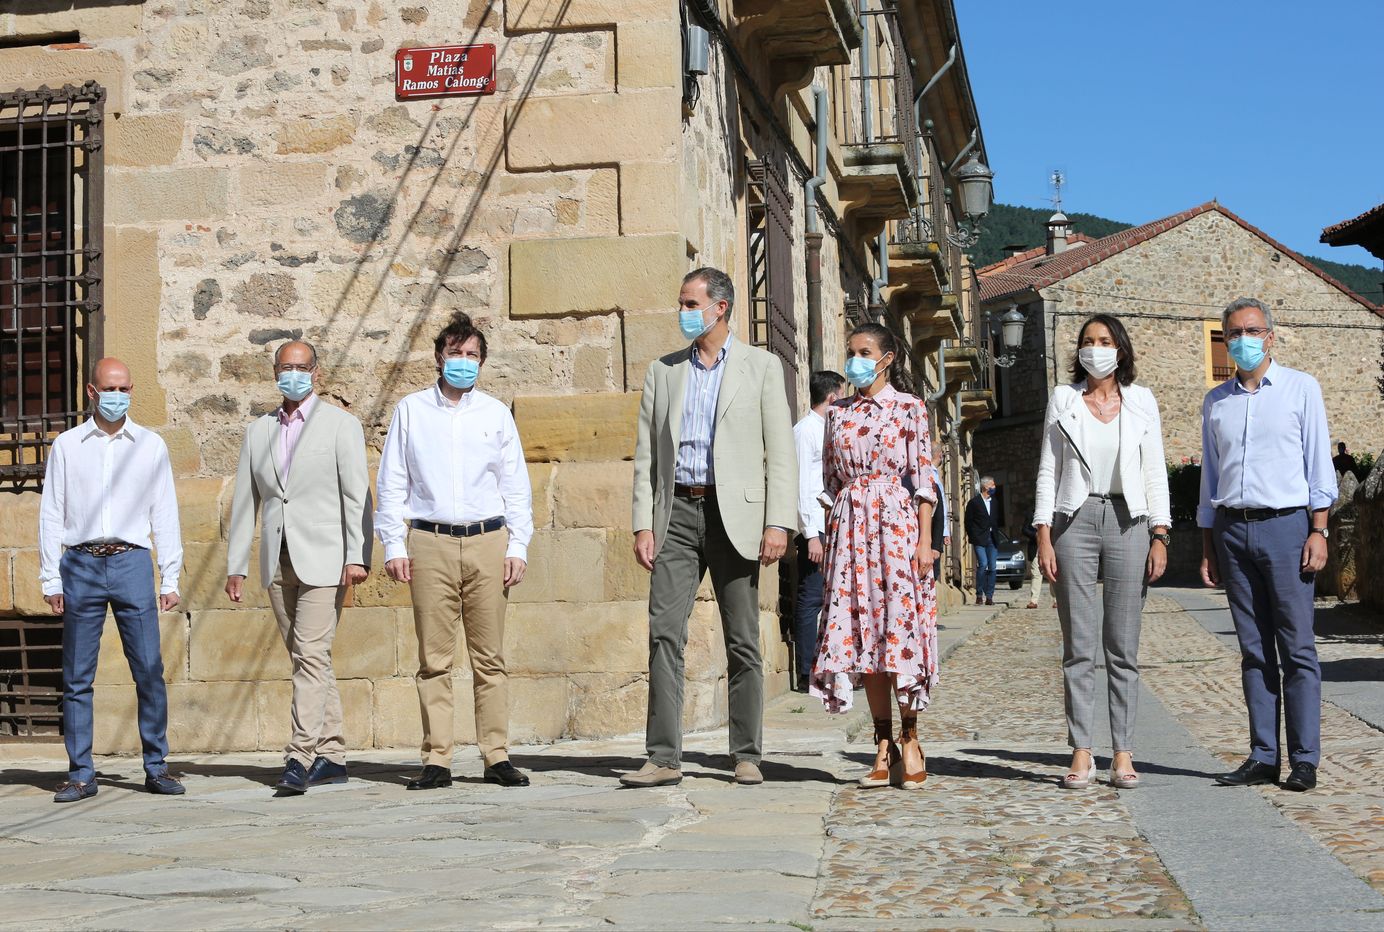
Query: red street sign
444, 71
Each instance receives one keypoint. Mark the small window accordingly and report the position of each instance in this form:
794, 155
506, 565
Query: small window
1218, 364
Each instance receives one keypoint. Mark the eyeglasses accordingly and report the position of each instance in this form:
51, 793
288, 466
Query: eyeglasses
1246, 332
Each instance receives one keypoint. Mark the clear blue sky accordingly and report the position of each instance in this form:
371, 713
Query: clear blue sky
1275, 108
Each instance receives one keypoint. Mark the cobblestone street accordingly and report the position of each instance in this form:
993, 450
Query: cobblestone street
991, 841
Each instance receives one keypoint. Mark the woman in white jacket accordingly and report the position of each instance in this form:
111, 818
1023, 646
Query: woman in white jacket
1102, 485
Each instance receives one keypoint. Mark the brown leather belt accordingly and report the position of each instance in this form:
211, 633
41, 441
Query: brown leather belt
694, 491
104, 549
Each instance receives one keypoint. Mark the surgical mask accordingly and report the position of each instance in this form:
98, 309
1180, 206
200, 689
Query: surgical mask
691, 323
295, 386
861, 371
1099, 361
112, 405
461, 373
1248, 352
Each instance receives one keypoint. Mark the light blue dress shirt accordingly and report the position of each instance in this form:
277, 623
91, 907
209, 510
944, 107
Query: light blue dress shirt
694, 465
1268, 448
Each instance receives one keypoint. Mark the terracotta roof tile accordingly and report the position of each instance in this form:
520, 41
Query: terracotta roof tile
1035, 272
1336, 229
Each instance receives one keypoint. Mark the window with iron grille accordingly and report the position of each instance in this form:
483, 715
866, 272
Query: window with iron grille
770, 221
50, 268
30, 678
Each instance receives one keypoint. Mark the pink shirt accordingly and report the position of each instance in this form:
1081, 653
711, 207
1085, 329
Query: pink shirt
290, 429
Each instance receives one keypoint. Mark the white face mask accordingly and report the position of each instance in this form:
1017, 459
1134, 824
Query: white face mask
1099, 361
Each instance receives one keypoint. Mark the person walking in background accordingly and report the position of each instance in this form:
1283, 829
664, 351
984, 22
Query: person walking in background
314, 543
983, 531
455, 515
1267, 483
808, 434
715, 488
107, 496
1035, 572
1102, 485
1342, 462
880, 627
941, 539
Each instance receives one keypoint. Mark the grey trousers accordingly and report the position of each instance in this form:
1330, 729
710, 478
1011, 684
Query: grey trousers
696, 542
1100, 537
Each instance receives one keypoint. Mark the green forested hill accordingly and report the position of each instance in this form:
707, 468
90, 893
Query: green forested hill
1026, 226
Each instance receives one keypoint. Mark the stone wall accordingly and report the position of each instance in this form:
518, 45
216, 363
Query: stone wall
1369, 539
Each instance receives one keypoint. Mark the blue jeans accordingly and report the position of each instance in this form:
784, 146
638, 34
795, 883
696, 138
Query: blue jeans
1271, 604
808, 611
986, 559
125, 582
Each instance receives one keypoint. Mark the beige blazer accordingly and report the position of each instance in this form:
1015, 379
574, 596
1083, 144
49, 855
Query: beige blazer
752, 450
321, 509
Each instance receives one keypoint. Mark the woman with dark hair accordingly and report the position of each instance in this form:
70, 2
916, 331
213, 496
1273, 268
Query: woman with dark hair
1102, 484
880, 623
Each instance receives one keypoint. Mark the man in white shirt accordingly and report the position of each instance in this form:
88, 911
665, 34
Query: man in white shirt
107, 495
809, 434
455, 514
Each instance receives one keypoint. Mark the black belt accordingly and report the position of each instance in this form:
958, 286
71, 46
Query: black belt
694, 491
104, 548
459, 530
1108, 497
1259, 514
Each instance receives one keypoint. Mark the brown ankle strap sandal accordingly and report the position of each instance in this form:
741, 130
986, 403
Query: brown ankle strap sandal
893, 770
908, 732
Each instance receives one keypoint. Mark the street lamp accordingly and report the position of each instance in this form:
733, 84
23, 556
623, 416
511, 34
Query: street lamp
977, 192
1011, 334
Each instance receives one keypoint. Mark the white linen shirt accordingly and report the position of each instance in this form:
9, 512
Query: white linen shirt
809, 438
452, 464
109, 487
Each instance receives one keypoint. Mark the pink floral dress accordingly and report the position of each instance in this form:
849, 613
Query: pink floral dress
879, 617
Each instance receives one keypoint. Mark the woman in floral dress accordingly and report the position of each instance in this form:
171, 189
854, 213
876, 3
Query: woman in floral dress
880, 623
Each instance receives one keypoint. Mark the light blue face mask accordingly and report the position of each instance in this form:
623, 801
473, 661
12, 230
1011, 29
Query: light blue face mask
861, 372
461, 373
112, 406
295, 386
1247, 352
690, 321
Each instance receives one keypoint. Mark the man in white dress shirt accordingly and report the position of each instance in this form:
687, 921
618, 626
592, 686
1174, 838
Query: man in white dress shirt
809, 435
107, 495
455, 514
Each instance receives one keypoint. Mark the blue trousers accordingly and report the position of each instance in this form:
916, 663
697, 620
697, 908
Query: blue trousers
808, 611
986, 559
125, 583
1271, 604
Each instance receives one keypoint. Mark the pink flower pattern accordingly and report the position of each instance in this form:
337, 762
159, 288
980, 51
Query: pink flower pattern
879, 617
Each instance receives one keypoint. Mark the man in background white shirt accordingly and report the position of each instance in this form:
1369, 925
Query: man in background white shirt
809, 434
107, 494
455, 515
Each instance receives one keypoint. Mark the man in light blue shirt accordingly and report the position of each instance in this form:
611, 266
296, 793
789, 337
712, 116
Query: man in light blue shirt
1266, 484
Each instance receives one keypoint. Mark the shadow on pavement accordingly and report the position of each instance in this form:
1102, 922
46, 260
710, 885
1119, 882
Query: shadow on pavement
1055, 762
615, 767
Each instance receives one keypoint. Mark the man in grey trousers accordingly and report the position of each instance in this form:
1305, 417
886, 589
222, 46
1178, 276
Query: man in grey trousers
1266, 484
715, 488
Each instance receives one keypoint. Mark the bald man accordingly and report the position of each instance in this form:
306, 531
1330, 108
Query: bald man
302, 471
107, 496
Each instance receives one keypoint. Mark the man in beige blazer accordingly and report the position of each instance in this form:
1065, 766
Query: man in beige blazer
715, 487
302, 471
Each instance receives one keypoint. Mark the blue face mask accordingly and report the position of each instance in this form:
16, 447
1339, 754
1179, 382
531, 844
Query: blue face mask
295, 386
861, 372
691, 324
112, 405
461, 373
1247, 352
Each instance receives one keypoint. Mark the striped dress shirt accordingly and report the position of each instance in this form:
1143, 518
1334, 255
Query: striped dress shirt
694, 466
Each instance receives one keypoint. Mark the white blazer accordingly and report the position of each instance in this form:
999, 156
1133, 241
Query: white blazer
1064, 476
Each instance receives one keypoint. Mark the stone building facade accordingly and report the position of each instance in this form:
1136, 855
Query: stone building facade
1168, 282
259, 181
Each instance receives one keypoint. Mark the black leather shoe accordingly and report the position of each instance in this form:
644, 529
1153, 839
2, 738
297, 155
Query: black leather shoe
294, 781
1303, 778
432, 778
161, 784
324, 771
72, 792
1250, 773
505, 774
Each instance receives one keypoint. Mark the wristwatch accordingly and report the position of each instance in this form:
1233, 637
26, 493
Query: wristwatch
1164, 537
1326, 535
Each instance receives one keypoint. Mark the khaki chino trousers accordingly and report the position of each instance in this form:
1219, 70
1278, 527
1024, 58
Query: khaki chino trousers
307, 617
459, 582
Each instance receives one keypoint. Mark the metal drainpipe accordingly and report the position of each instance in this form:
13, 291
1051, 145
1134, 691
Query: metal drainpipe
975, 137
813, 238
866, 121
878, 284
